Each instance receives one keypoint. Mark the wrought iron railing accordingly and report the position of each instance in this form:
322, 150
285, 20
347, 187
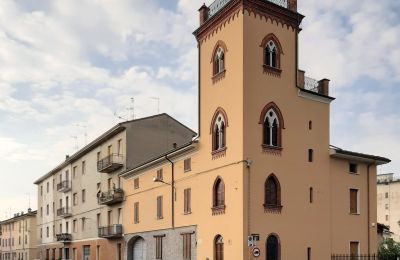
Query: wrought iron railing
364, 257
109, 163
110, 231
111, 196
64, 185
64, 237
311, 84
64, 212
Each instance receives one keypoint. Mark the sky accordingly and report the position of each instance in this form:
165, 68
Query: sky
71, 65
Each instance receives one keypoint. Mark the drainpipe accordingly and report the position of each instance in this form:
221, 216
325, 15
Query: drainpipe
172, 192
368, 210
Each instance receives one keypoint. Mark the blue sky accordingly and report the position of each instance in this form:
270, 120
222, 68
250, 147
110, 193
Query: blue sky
64, 63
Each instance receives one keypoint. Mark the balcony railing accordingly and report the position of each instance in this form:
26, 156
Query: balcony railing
219, 4
64, 238
111, 197
113, 231
110, 163
311, 84
64, 212
362, 257
64, 186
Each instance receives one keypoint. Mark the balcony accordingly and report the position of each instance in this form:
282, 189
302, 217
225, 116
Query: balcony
64, 186
114, 231
111, 197
64, 212
64, 238
110, 163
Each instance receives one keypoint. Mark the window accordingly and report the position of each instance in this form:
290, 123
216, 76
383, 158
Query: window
74, 227
272, 122
159, 207
47, 209
218, 130
272, 51
272, 248
353, 168
98, 220
160, 174
83, 196
386, 195
98, 156
41, 190
218, 196
387, 217
41, 211
83, 224
218, 248
187, 246
48, 187
75, 199
354, 209
187, 201
309, 253
311, 195
136, 212
310, 155
219, 61
187, 165
83, 167
159, 246
354, 248
119, 146
136, 183
309, 125
386, 206
272, 194
74, 172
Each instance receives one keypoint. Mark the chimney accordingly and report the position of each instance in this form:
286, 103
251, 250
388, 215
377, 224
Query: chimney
174, 145
67, 157
323, 87
300, 78
29, 210
203, 14
292, 5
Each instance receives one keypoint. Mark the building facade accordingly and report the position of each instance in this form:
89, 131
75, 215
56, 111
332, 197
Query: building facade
80, 202
18, 237
388, 202
261, 176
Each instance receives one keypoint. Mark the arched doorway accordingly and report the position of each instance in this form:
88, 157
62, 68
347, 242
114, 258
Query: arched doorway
272, 248
137, 249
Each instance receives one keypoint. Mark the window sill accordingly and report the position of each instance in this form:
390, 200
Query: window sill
217, 77
218, 210
218, 153
276, 150
277, 209
355, 214
272, 71
187, 213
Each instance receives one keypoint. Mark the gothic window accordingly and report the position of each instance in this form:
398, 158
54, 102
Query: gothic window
218, 248
272, 248
272, 195
218, 131
219, 61
218, 197
272, 122
270, 53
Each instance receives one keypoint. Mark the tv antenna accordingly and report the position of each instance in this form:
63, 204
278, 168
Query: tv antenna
85, 132
158, 103
120, 117
29, 200
76, 146
131, 109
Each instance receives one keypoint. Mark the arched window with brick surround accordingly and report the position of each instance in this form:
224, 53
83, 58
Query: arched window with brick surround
272, 193
272, 123
219, 60
218, 206
218, 127
272, 52
218, 248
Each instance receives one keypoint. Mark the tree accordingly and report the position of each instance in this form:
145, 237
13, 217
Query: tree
389, 249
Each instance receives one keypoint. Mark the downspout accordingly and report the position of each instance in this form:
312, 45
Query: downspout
368, 209
172, 192
296, 82
199, 92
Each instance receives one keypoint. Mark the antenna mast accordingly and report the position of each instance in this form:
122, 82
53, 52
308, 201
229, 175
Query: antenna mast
85, 132
158, 103
132, 109
76, 146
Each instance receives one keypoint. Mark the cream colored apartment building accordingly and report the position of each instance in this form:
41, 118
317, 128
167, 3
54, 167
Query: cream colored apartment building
261, 177
388, 201
80, 202
18, 237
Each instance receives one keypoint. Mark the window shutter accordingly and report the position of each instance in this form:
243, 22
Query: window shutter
353, 201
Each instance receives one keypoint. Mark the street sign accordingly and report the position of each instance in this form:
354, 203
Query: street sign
250, 241
256, 237
256, 252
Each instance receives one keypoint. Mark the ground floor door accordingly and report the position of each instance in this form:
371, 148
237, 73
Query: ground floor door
139, 250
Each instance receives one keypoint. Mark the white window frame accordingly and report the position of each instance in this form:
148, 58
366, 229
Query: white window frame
358, 202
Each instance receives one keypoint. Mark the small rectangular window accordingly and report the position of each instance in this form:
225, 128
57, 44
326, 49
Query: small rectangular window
386, 206
98, 220
136, 212
73, 172
83, 224
83, 196
119, 146
83, 167
159, 207
353, 168
136, 183
387, 217
386, 195
187, 164
160, 174
311, 195
74, 228
309, 253
354, 201
354, 248
310, 155
75, 199
187, 201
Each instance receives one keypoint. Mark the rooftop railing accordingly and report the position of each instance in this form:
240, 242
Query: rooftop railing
311, 84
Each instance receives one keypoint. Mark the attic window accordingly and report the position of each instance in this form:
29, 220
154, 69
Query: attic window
353, 168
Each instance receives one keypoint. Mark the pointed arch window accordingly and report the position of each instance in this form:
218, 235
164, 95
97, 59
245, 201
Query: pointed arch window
272, 125
219, 61
272, 193
218, 131
272, 52
218, 248
272, 248
218, 197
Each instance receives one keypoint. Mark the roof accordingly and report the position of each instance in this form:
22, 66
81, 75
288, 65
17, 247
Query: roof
337, 152
16, 217
107, 135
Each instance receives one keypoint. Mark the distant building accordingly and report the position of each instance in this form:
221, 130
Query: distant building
18, 237
388, 203
80, 201
383, 233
